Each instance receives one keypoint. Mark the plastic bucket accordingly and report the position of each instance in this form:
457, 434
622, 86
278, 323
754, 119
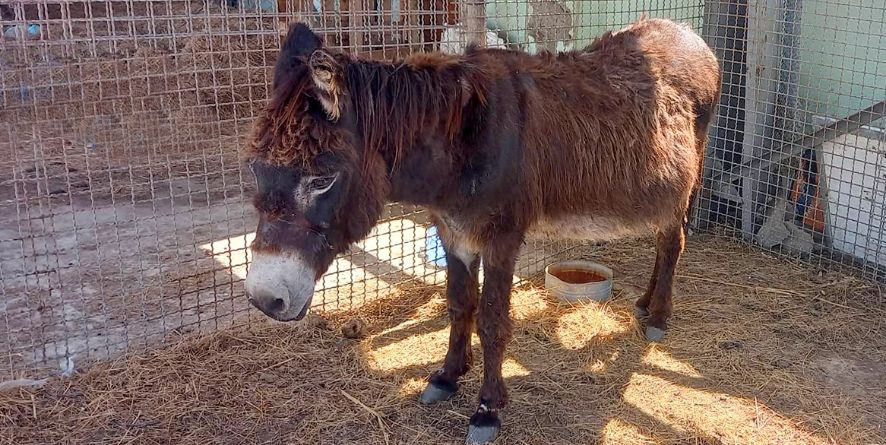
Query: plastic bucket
579, 281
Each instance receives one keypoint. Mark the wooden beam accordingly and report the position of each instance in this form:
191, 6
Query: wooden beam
474, 18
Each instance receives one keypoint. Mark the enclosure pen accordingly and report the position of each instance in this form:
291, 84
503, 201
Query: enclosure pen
126, 216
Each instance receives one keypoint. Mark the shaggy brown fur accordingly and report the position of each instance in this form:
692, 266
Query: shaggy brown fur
599, 143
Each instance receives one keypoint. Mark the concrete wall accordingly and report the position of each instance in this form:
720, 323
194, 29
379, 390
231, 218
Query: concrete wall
843, 56
522, 21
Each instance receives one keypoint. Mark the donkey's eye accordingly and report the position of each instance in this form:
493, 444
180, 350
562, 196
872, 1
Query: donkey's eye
321, 182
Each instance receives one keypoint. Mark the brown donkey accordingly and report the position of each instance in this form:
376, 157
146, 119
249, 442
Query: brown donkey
600, 143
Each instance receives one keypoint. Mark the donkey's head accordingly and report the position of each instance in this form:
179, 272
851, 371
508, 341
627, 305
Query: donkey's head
318, 190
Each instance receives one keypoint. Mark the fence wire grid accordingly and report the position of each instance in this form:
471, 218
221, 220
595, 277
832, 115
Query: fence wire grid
125, 211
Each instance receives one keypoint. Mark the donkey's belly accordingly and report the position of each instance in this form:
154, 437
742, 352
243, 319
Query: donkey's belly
578, 227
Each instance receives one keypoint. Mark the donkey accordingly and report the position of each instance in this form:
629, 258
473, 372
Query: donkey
600, 143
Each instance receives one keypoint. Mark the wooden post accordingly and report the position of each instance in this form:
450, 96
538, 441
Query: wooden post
474, 19
356, 13
762, 54
722, 33
770, 97
282, 20
411, 15
787, 82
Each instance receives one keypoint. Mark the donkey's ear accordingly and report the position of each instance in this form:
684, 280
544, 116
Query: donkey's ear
298, 45
327, 73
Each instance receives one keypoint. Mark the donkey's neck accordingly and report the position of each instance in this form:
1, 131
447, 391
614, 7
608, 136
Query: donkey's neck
399, 104
412, 115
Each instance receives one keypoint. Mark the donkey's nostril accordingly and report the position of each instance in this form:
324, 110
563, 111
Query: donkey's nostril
267, 303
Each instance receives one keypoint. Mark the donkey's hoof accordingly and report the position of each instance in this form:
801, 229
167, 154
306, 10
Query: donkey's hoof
640, 312
484, 426
478, 435
654, 334
434, 393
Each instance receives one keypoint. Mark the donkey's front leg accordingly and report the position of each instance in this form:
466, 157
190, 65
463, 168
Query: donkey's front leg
462, 287
495, 328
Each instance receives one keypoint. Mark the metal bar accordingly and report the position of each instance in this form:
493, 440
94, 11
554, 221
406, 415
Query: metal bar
838, 128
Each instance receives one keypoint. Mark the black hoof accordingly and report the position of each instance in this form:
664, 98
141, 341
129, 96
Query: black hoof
640, 312
479, 435
434, 393
484, 427
654, 334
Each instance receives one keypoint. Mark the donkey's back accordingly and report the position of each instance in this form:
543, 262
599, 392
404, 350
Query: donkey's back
612, 137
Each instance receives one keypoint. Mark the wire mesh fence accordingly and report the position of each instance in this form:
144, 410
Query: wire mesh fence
797, 159
125, 211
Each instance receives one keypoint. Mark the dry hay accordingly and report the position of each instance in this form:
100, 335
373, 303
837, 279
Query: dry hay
761, 351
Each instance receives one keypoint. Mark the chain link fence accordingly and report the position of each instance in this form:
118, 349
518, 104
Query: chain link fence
125, 211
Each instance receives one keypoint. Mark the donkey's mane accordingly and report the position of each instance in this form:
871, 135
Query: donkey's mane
286, 132
395, 104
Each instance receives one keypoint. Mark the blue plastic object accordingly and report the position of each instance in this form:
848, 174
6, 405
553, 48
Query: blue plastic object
434, 248
264, 5
31, 31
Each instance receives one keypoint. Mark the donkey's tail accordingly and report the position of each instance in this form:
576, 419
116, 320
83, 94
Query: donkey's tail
690, 208
704, 115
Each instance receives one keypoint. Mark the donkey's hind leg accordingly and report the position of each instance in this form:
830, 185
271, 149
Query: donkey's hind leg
669, 246
641, 307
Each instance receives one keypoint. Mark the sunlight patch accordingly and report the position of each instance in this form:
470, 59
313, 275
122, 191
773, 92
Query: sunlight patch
432, 309
399, 245
394, 246
702, 413
618, 432
416, 349
231, 253
412, 387
527, 304
663, 360
510, 368
587, 322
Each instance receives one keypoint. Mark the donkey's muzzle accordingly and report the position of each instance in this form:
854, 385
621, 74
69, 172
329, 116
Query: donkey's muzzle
281, 286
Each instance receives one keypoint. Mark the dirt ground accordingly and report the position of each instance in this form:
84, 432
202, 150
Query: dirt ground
760, 351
